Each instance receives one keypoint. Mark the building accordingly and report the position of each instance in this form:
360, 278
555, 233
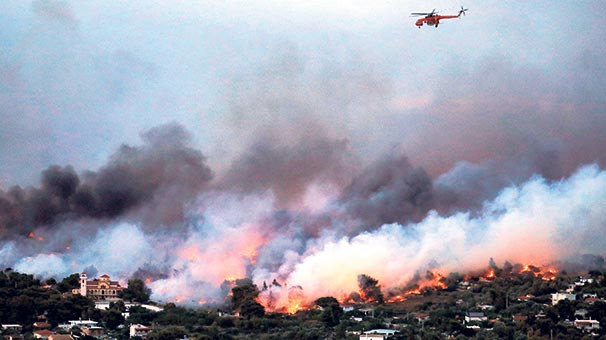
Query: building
475, 317
60, 337
587, 325
140, 331
11, 328
99, 289
42, 334
41, 325
377, 334
372, 337
78, 323
94, 331
557, 297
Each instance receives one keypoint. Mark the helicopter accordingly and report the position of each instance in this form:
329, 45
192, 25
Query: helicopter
433, 19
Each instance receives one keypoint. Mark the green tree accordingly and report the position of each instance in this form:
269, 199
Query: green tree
69, 283
167, 333
136, 291
112, 318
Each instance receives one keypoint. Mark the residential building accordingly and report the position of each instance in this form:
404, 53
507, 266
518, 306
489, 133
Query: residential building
11, 328
475, 317
41, 325
372, 337
43, 334
587, 324
557, 297
140, 330
94, 331
375, 334
61, 337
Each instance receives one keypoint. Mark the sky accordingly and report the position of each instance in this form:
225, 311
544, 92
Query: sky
81, 78
291, 130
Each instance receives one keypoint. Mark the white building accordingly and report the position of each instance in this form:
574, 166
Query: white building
475, 317
140, 330
78, 323
375, 334
587, 324
8, 328
557, 297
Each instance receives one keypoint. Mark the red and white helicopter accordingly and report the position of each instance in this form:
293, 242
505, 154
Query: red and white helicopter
433, 19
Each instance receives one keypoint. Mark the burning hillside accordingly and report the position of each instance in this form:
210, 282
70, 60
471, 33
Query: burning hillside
157, 212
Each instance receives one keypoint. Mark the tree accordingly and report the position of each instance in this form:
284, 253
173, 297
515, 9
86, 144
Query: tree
370, 289
167, 333
331, 315
112, 318
326, 301
136, 291
251, 308
242, 293
69, 283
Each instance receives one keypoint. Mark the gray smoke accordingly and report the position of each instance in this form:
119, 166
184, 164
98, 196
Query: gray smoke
152, 184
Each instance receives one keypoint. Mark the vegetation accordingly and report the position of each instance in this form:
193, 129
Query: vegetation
136, 291
517, 306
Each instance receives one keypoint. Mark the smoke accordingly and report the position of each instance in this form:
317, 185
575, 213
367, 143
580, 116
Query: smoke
537, 222
152, 184
389, 191
289, 172
154, 212
325, 164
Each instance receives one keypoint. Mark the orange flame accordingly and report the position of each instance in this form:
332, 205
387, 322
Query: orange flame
546, 273
490, 274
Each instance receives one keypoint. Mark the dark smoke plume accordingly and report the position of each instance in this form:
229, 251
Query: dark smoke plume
389, 191
157, 179
288, 171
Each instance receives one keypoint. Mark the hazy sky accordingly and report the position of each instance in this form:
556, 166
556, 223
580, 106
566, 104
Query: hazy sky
78, 78
296, 136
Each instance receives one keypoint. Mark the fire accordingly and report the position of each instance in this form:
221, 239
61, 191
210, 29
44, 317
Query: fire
40, 238
433, 281
490, 274
294, 308
546, 273
31, 234
397, 298
148, 280
295, 299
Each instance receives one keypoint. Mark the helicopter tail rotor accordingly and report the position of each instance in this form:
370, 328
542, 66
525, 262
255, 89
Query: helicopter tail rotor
463, 10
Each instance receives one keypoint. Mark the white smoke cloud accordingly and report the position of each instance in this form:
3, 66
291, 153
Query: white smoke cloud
537, 222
